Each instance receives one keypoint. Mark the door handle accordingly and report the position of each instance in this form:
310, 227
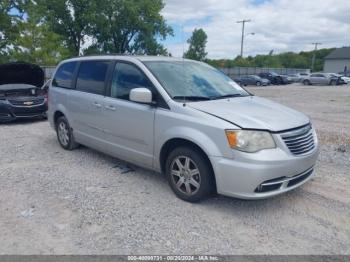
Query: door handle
112, 108
97, 105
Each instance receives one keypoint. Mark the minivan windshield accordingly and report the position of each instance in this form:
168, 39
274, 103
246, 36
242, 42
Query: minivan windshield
194, 80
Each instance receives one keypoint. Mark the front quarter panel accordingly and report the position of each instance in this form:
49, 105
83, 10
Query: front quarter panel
206, 131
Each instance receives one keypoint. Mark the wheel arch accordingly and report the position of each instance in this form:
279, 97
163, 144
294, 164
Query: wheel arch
173, 143
57, 115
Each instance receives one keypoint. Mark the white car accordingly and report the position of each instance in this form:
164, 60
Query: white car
345, 78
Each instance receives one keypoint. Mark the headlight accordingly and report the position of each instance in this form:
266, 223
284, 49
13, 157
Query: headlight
249, 140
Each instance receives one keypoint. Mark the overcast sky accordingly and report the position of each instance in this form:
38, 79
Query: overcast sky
279, 25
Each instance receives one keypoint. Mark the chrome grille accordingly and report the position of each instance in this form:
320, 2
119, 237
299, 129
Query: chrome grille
299, 141
29, 102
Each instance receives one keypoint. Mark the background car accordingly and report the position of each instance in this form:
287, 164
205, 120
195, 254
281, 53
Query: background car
20, 95
253, 80
323, 79
275, 78
295, 77
345, 78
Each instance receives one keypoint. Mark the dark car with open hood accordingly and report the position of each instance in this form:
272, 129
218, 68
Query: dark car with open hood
21, 96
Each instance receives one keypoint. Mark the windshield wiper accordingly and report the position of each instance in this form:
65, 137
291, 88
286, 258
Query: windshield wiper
191, 98
227, 96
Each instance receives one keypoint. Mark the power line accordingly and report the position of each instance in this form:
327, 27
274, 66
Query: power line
243, 26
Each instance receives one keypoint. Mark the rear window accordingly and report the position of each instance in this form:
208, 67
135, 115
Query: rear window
64, 75
91, 77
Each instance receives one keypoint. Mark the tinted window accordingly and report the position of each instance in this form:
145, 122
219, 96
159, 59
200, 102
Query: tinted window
64, 75
91, 77
125, 78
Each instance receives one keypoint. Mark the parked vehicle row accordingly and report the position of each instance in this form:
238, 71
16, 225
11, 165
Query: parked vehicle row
268, 78
264, 79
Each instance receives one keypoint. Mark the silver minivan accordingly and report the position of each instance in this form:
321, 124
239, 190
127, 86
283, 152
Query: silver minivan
185, 119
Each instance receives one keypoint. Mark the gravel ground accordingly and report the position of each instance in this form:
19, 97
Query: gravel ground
58, 202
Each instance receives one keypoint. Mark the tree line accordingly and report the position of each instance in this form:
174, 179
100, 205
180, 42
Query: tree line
300, 60
47, 31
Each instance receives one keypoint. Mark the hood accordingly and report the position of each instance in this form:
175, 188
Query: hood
253, 113
21, 73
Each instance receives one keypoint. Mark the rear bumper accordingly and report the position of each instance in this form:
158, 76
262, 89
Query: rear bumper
9, 112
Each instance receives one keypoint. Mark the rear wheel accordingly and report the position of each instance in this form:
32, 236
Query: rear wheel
189, 174
65, 134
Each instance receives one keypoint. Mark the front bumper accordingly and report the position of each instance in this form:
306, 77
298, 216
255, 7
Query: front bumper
263, 174
10, 112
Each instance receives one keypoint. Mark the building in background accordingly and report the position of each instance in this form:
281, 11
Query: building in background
338, 61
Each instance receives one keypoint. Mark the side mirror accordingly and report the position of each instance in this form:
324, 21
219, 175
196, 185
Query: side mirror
141, 95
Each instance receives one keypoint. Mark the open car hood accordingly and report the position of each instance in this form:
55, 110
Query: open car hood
21, 73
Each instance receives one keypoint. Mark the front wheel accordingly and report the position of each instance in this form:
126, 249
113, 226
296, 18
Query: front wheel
333, 82
306, 82
65, 134
258, 83
189, 174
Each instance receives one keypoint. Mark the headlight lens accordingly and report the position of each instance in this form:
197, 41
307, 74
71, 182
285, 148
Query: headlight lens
249, 140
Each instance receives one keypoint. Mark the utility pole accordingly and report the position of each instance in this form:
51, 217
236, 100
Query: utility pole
243, 25
314, 55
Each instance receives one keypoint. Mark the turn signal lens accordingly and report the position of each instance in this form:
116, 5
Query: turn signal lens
232, 138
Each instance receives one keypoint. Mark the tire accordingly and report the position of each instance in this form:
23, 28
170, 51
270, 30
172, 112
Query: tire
65, 134
192, 187
258, 83
333, 83
306, 82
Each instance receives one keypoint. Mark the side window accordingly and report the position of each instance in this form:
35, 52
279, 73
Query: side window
91, 77
64, 75
127, 77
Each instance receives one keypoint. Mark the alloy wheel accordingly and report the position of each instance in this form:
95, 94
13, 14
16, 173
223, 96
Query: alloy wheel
63, 133
185, 175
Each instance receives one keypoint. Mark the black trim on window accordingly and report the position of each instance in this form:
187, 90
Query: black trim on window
72, 85
105, 80
157, 97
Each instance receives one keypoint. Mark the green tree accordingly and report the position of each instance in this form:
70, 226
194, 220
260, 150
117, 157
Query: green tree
70, 19
129, 26
36, 43
198, 42
9, 24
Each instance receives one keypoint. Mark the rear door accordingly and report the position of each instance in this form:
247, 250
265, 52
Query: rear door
86, 104
129, 126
